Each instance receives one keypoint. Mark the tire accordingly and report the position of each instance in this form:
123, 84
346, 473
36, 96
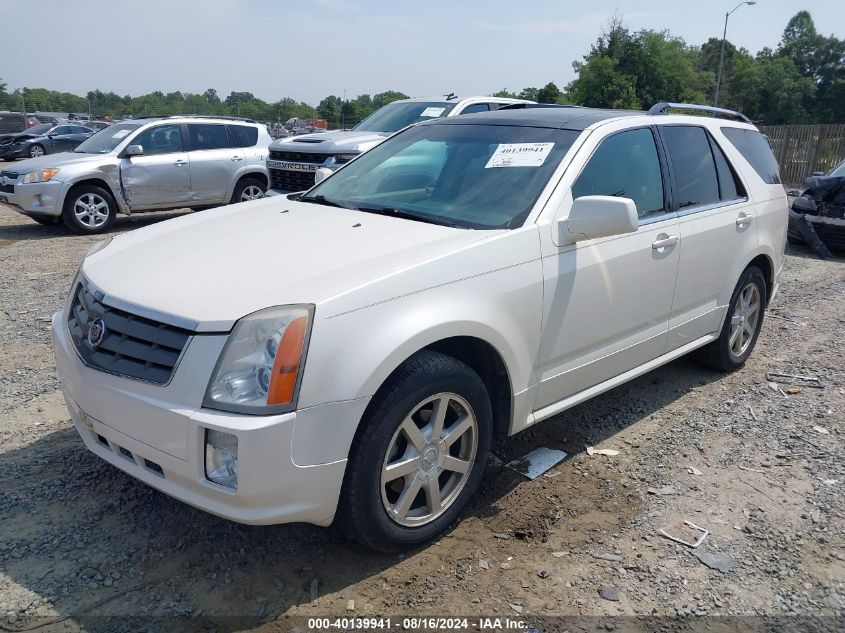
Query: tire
89, 210
46, 220
36, 151
730, 351
248, 189
371, 507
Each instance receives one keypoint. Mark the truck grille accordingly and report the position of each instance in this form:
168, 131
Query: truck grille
122, 343
291, 180
299, 157
12, 177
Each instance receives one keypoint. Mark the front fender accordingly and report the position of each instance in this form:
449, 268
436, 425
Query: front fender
109, 175
353, 353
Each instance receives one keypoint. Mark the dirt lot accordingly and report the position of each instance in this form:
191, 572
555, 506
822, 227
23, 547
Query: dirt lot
84, 546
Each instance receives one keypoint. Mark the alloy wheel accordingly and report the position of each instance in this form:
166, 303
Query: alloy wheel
91, 210
252, 192
744, 320
36, 151
429, 459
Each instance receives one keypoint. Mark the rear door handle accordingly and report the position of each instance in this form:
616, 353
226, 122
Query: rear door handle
664, 241
235, 159
180, 162
743, 220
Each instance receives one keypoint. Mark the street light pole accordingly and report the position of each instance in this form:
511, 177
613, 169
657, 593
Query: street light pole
722, 53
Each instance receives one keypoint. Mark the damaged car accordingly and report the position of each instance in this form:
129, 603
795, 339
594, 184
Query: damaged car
149, 164
43, 139
821, 207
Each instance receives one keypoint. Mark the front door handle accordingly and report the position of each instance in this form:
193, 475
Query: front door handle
235, 159
180, 162
664, 241
743, 220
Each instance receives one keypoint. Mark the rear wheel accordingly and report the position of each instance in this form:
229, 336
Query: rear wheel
89, 210
742, 324
419, 455
248, 189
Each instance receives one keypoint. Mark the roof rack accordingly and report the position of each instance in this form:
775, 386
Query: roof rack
525, 106
660, 108
212, 116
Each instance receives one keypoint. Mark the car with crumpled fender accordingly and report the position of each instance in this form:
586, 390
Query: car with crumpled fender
353, 353
145, 164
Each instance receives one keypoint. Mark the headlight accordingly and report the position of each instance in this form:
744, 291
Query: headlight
344, 158
260, 367
40, 175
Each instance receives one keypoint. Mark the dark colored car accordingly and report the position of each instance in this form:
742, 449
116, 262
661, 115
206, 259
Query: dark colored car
43, 139
822, 204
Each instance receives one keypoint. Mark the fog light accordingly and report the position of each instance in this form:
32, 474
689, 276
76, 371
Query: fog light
221, 458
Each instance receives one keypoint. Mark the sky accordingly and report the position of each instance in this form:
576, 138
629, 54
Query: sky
307, 49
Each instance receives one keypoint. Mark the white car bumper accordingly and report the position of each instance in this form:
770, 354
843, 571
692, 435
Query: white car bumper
161, 442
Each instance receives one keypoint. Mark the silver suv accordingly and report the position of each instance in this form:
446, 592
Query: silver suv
148, 164
294, 161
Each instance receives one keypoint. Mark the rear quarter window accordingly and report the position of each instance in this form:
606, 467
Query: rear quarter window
755, 149
243, 135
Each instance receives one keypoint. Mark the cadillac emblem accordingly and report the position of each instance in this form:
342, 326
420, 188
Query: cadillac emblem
96, 333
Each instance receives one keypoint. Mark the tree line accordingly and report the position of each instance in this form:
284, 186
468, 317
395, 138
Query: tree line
802, 80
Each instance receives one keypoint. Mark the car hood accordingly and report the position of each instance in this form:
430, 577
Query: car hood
337, 141
55, 160
214, 267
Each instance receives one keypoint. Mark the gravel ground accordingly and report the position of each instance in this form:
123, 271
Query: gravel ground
84, 546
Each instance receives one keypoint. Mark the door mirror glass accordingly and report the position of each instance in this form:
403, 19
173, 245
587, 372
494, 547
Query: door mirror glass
591, 217
134, 150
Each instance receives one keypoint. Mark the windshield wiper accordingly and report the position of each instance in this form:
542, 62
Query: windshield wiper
408, 215
321, 199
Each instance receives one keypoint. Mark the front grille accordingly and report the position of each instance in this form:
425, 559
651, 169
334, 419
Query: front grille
12, 177
299, 157
123, 343
291, 180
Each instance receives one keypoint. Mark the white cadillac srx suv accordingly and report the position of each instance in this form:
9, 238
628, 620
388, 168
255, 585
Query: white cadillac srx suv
351, 353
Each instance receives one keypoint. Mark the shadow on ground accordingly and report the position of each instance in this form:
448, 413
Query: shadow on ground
28, 229
100, 546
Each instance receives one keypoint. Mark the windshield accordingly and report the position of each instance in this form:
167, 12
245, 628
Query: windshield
394, 116
839, 171
468, 176
38, 130
107, 139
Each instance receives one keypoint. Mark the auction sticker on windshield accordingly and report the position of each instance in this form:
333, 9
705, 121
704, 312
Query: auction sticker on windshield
432, 112
519, 155
120, 133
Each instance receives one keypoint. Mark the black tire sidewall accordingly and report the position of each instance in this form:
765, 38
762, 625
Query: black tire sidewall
371, 522
241, 187
70, 218
752, 273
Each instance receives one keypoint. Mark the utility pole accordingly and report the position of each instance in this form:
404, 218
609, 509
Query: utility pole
722, 53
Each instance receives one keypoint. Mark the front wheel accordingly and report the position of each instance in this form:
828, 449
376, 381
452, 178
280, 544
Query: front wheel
89, 210
36, 151
742, 324
248, 189
419, 455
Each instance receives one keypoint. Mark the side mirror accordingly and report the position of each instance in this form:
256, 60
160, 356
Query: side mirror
591, 217
134, 150
321, 174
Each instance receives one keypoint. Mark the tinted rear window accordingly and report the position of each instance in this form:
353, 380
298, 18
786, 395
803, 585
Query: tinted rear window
207, 136
756, 151
692, 163
243, 135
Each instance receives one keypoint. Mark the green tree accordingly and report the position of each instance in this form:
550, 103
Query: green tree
383, 98
549, 93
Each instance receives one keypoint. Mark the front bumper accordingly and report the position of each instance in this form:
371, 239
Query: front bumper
40, 198
140, 430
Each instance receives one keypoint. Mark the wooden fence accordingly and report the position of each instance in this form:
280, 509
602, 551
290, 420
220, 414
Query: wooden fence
804, 149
